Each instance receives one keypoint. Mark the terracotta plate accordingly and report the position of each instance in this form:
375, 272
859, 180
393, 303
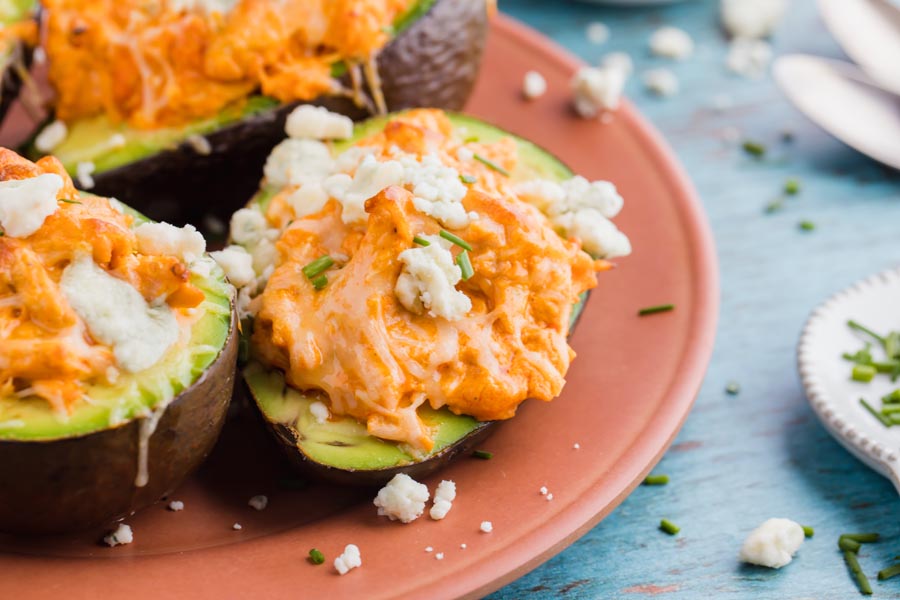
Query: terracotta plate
628, 392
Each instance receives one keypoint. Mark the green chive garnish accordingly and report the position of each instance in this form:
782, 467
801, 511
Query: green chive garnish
848, 545
806, 225
774, 206
862, 328
861, 581
889, 572
471, 139
892, 344
468, 179
754, 149
733, 388
892, 398
483, 454
69, 201
316, 557
808, 531
890, 409
894, 418
320, 265
884, 420
421, 241
656, 480
320, 282
792, 186
862, 538
465, 265
652, 310
491, 164
863, 373
456, 240
669, 527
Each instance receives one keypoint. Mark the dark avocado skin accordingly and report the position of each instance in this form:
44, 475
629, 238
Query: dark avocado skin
11, 81
80, 483
433, 63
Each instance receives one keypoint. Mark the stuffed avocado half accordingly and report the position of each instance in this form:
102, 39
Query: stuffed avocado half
117, 353
213, 138
328, 262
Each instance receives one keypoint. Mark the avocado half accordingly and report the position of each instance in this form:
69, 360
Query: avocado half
432, 60
341, 450
63, 475
15, 58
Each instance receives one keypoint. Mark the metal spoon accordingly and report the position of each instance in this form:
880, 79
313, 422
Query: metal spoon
869, 32
844, 101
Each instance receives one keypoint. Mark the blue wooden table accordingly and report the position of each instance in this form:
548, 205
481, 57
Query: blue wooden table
742, 459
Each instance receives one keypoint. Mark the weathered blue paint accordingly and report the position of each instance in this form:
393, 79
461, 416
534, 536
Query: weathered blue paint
742, 459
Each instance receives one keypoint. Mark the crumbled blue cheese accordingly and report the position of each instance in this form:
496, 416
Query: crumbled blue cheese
26, 203
237, 527
50, 137
117, 315
402, 499
84, 174
661, 82
176, 505
370, 179
437, 189
348, 560
427, 283
317, 123
597, 32
439, 556
237, 264
773, 544
486, 527
163, 239
307, 199
122, 535
534, 85
749, 58
618, 60
672, 42
582, 209
259, 502
444, 496
294, 162
199, 144
319, 411
596, 89
754, 19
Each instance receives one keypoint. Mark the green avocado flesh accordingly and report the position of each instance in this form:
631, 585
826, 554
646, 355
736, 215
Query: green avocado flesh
13, 11
91, 140
133, 394
343, 442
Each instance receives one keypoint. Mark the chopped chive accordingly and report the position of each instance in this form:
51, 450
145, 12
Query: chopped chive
854, 325
652, 310
890, 366
421, 241
890, 409
456, 240
468, 178
471, 139
892, 344
483, 454
491, 164
863, 538
808, 531
316, 557
754, 149
884, 420
320, 282
733, 388
338, 69
861, 581
792, 186
774, 206
806, 225
669, 527
465, 265
656, 480
863, 373
861, 357
848, 545
69, 201
892, 398
894, 419
320, 265
889, 572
